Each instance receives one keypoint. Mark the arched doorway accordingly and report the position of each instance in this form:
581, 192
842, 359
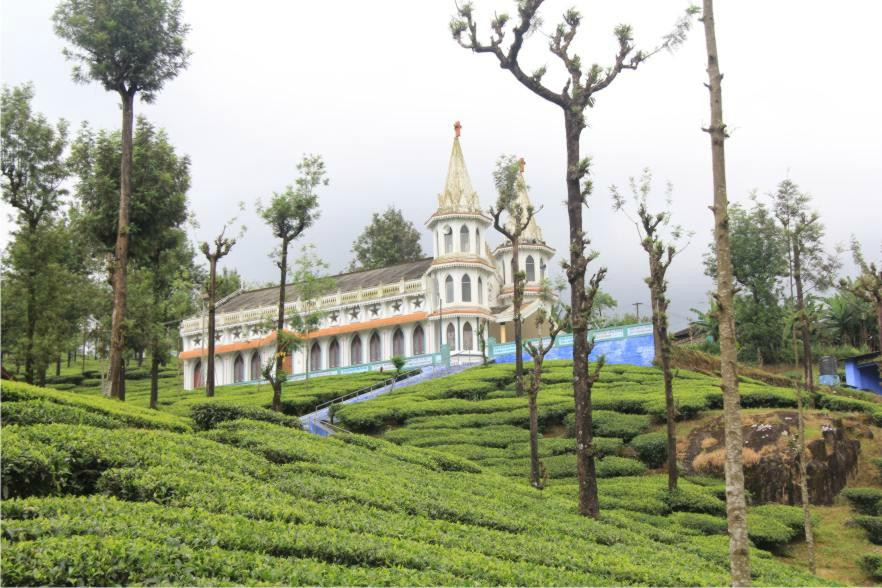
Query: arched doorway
238, 369
315, 357
467, 339
398, 343
419, 341
255, 366
334, 354
197, 374
451, 336
375, 348
355, 351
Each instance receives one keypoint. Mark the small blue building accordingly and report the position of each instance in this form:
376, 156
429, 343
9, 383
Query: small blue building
862, 372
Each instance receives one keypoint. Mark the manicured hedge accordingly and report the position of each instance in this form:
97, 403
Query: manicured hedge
30, 412
208, 415
872, 564
651, 448
872, 525
866, 501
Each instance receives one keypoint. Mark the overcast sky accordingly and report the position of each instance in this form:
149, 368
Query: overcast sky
375, 87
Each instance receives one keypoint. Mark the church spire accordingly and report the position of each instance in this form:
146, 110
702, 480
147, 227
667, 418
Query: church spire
458, 194
532, 233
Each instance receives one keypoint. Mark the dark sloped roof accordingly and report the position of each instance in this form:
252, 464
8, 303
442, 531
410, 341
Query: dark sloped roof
262, 297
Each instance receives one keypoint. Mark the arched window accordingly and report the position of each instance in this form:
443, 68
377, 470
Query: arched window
466, 288
542, 267
218, 371
478, 241
480, 291
448, 289
315, 357
398, 343
355, 351
467, 339
239, 369
451, 336
531, 269
448, 240
334, 354
419, 341
464, 239
375, 348
197, 374
255, 366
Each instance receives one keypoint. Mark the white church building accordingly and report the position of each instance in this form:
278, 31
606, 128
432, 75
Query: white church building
422, 310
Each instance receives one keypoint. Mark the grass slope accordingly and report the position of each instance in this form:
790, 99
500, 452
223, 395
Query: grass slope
252, 502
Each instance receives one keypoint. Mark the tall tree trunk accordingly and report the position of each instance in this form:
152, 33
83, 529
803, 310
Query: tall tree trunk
589, 504
212, 289
803, 483
280, 326
31, 328
517, 300
736, 509
154, 378
121, 254
805, 329
58, 365
535, 473
69, 358
670, 408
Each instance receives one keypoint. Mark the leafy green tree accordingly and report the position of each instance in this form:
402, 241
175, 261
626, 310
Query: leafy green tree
602, 302
228, 282
311, 282
288, 214
509, 180
811, 266
130, 47
389, 239
868, 285
33, 169
157, 211
576, 96
659, 239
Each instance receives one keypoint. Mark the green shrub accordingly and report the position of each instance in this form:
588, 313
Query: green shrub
866, 501
613, 466
693, 499
651, 448
872, 564
63, 386
30, 412
69, 379
768, 533
872, 525
612, 424
877, 461
208, 415
703, 523
88, 383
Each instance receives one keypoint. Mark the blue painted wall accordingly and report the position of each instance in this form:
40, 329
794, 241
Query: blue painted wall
633, 350
863, 375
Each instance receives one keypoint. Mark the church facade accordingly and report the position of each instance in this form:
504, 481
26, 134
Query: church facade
414, 309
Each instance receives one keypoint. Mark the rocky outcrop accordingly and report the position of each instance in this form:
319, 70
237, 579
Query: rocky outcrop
771, 469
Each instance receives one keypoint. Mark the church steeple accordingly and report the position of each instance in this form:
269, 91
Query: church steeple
532, 233
458, 194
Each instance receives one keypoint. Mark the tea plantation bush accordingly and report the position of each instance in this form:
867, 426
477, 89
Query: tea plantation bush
651, 448
865, 500
207, 415
872, 525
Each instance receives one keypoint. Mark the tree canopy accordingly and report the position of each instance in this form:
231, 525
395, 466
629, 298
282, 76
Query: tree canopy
387, 240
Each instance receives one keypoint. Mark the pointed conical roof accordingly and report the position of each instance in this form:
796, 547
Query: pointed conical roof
458, 194
532, 232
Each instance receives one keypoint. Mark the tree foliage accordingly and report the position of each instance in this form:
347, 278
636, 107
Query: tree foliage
388, 239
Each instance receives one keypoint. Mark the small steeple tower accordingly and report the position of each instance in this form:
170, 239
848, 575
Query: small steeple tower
458, 194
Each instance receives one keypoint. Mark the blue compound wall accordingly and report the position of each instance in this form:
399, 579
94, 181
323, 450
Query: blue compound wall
633, 350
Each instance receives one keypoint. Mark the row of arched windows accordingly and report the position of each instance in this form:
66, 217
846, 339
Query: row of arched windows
530, 264
375, 353
468, 337
466, 289
464, 239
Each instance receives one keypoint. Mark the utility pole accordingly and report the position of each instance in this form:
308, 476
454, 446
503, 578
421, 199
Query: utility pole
636, 305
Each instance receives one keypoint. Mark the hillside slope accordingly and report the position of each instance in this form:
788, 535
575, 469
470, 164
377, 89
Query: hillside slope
253, 502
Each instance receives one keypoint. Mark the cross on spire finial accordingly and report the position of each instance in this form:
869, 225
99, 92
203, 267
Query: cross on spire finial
522, 163
457, 127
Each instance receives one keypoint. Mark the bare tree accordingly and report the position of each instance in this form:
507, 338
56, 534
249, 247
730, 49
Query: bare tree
650, 228
736, 508
509, 180
576, 95
222, 246
557, 319
803, 480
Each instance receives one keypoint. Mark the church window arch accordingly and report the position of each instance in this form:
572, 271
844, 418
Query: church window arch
419, 340
480, 291
542, 267
197, 374
448, 289
398, 343
238, 369
531, 269
255, 366
464, 239
466, 288
448, 239
315, 357
375, 348
467, 337
451, 336
355, 350
334, 354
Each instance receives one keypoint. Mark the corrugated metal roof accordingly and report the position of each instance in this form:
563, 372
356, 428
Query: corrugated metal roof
346, 282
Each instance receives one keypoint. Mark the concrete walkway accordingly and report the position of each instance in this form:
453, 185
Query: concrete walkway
312, 422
